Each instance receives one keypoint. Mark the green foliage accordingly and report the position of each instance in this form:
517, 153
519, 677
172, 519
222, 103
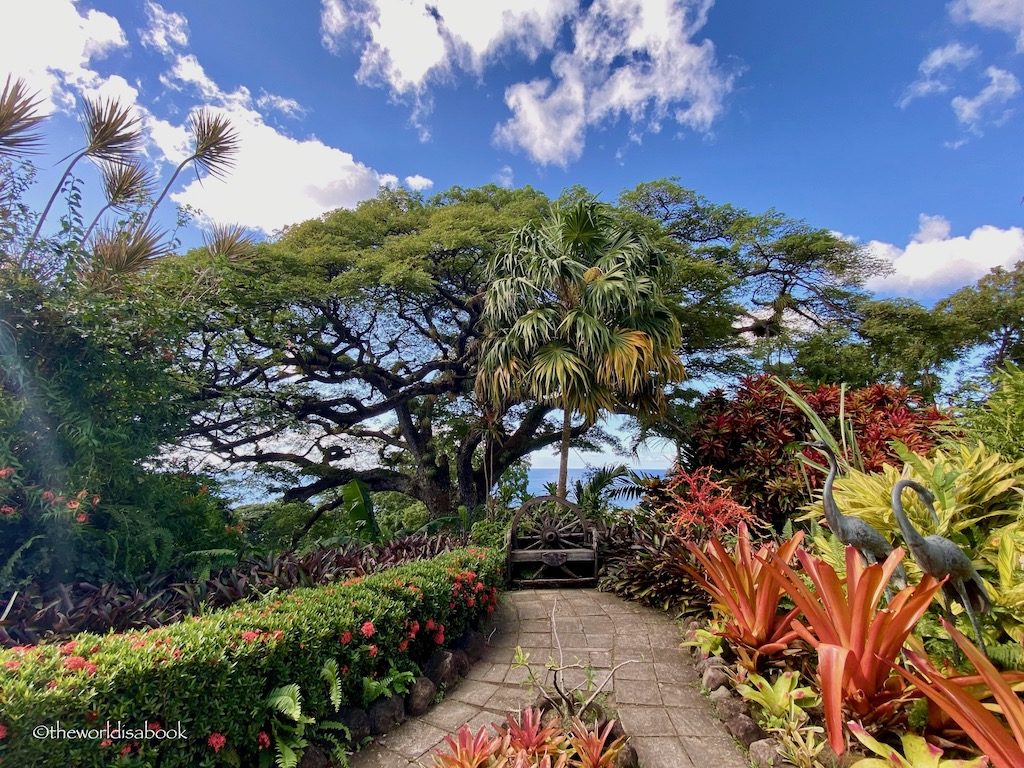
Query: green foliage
391, 683
287, 724
209, 671
780, 700
997, 421
574, 317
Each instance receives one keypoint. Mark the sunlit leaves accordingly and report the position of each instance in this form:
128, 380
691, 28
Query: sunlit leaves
19, 118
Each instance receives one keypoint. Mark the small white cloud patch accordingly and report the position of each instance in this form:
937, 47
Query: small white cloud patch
935, 69
988, 105
418, 183
1005, 15
166, 31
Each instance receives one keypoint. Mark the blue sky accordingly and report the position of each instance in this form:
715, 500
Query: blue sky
896, 124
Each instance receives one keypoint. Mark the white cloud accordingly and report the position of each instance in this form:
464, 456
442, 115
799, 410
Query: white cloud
52, 46
408, 42
287, 107
988, 104
277, 179
631, 58
505, 177
1006, 15
934, 69
418, 183
933, 262
166, 30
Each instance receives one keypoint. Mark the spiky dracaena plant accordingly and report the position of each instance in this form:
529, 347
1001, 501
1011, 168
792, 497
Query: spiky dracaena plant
216, 145
574, 317
19, 119
112, 135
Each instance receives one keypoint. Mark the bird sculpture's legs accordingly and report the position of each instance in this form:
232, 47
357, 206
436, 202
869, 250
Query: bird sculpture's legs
870, 559
962, 591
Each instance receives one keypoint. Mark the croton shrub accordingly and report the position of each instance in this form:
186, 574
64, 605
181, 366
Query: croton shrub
213, 673
746, 438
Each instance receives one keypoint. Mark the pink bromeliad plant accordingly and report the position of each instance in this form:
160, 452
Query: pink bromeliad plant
526, 741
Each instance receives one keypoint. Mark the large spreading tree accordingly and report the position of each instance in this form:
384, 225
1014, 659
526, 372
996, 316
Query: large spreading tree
348, 350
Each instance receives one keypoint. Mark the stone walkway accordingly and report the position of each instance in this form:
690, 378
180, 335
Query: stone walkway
658, 700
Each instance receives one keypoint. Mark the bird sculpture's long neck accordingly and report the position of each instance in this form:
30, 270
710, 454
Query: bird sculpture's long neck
828, 501
910, 533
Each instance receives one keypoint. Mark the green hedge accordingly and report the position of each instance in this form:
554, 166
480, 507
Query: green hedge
213, 673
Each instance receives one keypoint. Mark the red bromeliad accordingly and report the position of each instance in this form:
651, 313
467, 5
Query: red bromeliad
747, 588
1002, 742
857, 641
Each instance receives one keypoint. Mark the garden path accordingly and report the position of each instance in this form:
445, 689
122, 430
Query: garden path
670, 723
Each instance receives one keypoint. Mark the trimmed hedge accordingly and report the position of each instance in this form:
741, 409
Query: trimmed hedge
213, 673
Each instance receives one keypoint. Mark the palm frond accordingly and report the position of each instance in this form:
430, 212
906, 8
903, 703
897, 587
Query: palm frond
19, 118
117, 253
126, 182
112, 132
230, 241
217, 142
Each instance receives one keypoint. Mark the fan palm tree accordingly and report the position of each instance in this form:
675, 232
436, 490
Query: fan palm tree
574, 316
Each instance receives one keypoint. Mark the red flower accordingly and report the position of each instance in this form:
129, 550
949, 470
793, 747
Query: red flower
68, 648
278, 634
479, 587
12, 665
126, 749
470, 602
73, 504
95, 501
51, 684
155, 725
3, 731
403, 646
346, 637
490, 609
414, 628
48, 496
373, 651
216, 741
90, 668
7, 510
344, 670
439, 637
250, 635
263, 740
106, 743
74, 663
81, 517
431, 626
6, 472
367, 629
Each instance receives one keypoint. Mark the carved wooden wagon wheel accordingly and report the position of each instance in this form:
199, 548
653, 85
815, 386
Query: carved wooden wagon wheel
550, 544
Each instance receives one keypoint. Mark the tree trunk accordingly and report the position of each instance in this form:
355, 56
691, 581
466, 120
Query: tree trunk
563, 467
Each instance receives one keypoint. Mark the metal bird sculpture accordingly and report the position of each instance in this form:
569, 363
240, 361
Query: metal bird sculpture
940, 557
853, 531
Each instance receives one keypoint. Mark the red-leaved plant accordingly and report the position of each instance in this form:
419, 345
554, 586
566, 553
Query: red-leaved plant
857, 640
696, 505
746, 437
747, 587
524, 741
1002, 742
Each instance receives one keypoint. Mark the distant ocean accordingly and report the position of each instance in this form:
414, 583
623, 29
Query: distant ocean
537, 478
249, 493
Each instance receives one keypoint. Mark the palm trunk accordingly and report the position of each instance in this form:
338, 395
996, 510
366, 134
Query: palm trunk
563, 467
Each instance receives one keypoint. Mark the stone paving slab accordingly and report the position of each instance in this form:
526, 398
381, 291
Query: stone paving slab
670, 723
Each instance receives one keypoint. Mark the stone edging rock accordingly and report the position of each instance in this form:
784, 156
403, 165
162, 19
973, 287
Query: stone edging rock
735, 713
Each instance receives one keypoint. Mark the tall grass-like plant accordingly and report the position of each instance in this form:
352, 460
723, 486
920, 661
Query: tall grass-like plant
747, 588
857, 639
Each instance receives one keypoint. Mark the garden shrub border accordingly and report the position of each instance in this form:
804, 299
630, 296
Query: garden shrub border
212, 673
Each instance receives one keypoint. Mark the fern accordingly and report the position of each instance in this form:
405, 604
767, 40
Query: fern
329, 674
392, 683
1007, 655
7, 571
